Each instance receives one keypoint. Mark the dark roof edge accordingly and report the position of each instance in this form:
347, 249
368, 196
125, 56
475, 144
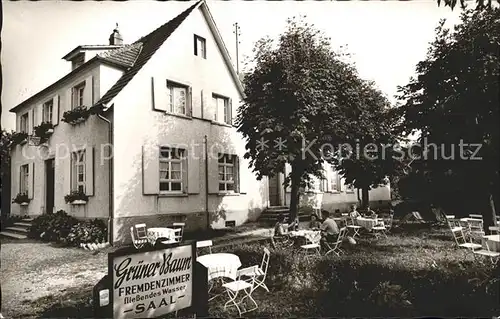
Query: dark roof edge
64, 78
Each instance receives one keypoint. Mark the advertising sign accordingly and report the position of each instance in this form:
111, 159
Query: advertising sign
149, 284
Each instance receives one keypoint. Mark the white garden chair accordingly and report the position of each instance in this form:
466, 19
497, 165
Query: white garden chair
238, 286
139, 235
460, 240
204, 244
493, 255
179, 231
351, 225
261, 271
335, 246
312, 246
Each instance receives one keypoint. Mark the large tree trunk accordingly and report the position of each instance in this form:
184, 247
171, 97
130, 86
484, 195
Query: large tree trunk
365, 198
294, 195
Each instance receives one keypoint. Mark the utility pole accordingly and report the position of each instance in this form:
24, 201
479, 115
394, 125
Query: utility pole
237, 33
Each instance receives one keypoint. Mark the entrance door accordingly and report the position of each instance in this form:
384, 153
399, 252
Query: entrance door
274, 191
49, 185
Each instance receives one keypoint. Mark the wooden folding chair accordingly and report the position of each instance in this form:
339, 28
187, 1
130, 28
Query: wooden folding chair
139, 235
204, 244
461, 241
493, 255
238, 286
351, 225
179, 227
311, 246
335, 246
261, 271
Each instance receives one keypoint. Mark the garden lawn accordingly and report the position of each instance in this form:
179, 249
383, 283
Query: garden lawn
415, 272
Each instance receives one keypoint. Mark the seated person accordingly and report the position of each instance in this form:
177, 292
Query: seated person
314, 223
370, 212
354, 212
279, 228
329, 228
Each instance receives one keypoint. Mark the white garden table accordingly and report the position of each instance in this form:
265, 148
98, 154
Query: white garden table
160, 232
367, 223
312, 236
220, 265
493, 242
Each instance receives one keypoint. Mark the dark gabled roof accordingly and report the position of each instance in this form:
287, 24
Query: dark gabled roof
126, 55
143, 49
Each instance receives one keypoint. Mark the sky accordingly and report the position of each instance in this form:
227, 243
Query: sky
385, 38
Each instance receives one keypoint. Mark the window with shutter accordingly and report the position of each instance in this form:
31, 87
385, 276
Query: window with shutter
77, 95
227, 173
24, 123
47, 111
78, 170
24, 179
222, 109
173, 173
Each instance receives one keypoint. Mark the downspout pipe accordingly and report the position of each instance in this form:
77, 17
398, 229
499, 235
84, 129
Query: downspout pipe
206, 181
110, 177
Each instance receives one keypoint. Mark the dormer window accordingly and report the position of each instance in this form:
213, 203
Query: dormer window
78, 60
200, 46
77, 95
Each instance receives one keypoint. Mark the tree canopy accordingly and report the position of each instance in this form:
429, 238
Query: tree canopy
454, 101
300, 96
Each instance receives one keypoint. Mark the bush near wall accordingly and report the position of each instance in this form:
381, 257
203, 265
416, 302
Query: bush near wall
367, 286
62, 228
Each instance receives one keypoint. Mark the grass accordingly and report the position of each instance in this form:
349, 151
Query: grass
417, 271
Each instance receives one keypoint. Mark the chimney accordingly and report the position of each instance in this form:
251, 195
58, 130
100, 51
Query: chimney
115, 38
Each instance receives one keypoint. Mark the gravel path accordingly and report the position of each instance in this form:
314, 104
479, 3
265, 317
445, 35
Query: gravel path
33, 270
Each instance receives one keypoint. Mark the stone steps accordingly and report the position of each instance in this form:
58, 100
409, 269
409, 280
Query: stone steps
13, 235
18, 229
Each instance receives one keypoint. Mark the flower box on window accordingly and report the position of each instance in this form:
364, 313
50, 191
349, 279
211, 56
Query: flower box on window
21, 199
19, 138
76, 198
44, 131
76, 115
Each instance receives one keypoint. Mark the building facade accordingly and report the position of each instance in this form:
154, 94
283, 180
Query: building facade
159, 144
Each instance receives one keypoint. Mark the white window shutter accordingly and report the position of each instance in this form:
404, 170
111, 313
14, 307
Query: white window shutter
19, 178
213, 174
184, 167
88, 92
68, 105
38, 114
202, 103
89, 171
244, 175
31, 180
150, 169
230, 109
288, 169
68, 175
342, 184
189, 102
160, 101
31, 115
55, 109
193, 179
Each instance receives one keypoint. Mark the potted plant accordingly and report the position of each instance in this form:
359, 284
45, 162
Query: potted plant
19, 138
77, 115
21, 199
44, 131
76, 198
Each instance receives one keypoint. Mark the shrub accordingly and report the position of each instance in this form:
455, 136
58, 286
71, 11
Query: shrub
19, 138
43, 132
76, 115
90, 231
21, 198
75, 195
52, 226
